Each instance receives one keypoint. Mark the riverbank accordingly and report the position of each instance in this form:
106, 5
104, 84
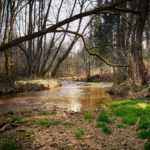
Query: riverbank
8, 85
71, 95
36, 85
129, 90
121, 125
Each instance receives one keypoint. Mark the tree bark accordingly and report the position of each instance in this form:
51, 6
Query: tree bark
140, 74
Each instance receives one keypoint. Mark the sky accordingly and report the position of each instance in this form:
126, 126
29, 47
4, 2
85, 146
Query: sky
65, 11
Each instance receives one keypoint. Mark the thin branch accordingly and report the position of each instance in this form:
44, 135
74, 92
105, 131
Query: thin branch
93, 53
65, 21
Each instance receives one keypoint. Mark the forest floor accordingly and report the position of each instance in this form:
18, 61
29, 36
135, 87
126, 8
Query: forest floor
121, 125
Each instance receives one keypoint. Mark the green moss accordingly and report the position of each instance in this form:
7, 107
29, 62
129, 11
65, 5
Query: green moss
88, 116
147, 146
37, 84
104, 128
144, 123
98, 84
104, 118
144, 134
130, 110
123, 103
79, 132
129, 119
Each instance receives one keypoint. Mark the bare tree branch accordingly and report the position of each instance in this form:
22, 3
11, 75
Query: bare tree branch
107, 9
93, 53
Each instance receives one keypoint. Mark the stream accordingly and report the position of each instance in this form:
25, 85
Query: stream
73, 96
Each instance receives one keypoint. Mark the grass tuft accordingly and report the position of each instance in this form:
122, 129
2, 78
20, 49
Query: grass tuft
17, 118
88, 116
79, 132
129, 119
68, 123
16, 140
104, 128
45, 122
144, 134
144, 123
10, 145
121, 125
147, 146
104, 118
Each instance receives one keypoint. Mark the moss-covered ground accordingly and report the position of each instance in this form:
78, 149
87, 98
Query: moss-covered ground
123, 125
36, 84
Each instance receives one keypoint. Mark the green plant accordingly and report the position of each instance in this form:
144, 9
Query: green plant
121, 125
44, 113
144, 134
17, 118
104, 118
144, 123
104, 128
129, 119
24, 133
88, 116
16, 140
130, 110
68, 123
47, 122
147, 146
11, 145
79, 132
44, 122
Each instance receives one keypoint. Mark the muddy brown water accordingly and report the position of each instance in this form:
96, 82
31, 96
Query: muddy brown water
71, 95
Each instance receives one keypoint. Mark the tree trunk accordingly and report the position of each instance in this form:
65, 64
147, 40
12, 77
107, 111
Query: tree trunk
140, 74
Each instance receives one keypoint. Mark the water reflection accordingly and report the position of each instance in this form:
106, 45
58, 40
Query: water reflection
72, 96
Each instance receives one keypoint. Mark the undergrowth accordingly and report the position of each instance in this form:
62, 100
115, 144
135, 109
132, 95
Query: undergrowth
88, 116
131, 112
104, 127
45, 122
79, 132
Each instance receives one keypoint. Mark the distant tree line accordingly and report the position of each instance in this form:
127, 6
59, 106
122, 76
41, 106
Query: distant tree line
31, 26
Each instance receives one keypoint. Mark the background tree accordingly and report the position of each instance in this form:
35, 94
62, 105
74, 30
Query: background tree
41, 59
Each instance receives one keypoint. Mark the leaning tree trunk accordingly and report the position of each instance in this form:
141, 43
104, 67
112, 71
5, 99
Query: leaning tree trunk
140, 74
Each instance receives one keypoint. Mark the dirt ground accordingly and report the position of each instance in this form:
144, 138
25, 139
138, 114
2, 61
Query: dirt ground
62, 134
